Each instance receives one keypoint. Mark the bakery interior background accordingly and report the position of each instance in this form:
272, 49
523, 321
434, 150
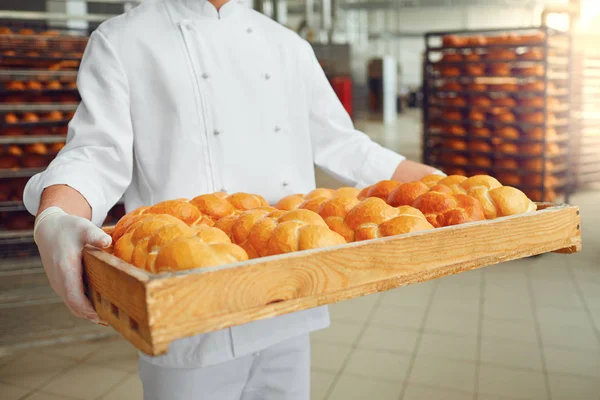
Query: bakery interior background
416, 76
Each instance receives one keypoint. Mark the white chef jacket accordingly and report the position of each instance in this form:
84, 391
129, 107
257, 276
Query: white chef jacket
179, 99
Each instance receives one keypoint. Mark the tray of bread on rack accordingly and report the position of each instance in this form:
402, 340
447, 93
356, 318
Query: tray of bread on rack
184, 267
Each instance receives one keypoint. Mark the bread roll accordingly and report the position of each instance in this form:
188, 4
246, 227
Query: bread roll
454, 144
34, 85
533, 118
505, 102
475, 115
456, 130
536, 86
373, 218
534, 70
451, 87
480, 145
450, 71
477, 87
535, 54
500, 69
481, 101
508, 178
497, 200
505, 87
538, 165
456, 101
453, 41
407, 193
381, 189
53, 85
549, 181
481, 132
334, 211
452, 57
506, 163
443, 209
507, 132
507, 148
477, 41
431, 180
30, 117
505, 117
11, 118
475, 69
453, 115
455, 159
14, 85
481, 161
501, 55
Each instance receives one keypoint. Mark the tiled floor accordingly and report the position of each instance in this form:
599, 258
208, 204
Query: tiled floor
528, 329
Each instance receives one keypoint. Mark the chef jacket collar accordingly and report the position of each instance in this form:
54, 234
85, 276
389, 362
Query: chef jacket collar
205, 9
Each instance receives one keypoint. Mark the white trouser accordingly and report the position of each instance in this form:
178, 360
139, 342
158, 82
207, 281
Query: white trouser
280, 372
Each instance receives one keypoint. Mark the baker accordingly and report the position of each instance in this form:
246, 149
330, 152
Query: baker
184, 97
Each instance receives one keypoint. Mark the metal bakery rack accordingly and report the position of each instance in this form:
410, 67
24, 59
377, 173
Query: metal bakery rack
498, 102
586, 109
38, 97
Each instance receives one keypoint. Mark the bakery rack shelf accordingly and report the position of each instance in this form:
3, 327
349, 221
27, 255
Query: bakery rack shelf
4, 140
19, 172
37, 107
521, 87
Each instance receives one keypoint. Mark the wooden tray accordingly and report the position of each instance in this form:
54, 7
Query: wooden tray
153, 310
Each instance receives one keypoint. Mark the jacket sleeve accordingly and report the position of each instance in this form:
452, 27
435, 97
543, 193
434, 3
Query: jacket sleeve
338, 148
97, 160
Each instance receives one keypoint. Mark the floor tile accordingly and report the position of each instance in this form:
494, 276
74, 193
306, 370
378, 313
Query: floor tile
75, 351
447, 346
339, 333
412, 296
565, 387
503, 295
10, 392
320, 382
566, 316
513, 383
378, 365
509, 311
514, 330
457, 323
116, 354
510, 353
328, 356
355, 310
355, 388
33, 369
130, 388
392, 339
85, 382
566, 336
418, 392
584, 363
454, 301
443, 373
396, 316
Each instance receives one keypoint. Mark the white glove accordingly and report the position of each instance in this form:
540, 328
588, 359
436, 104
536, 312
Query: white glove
60, 239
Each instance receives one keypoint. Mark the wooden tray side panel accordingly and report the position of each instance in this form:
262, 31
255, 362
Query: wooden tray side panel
197, 302
118, 293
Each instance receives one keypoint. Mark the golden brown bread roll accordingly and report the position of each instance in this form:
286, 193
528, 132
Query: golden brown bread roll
536, 180
509, 179
505, 102
456, 159
538, 148
312, 200
505, 117
450, 71
452, 87
501, 55
453, 41
54, 116
481, 101
500, 69
407, 193
53, 85
475, 69
454, 144
534, 38
505, 87
452, 57
477, 41
477, 87
443, 209
14, 85
481, 132
456, 101
374, 218
481, 161
472, 57
452, 182
381, 189
475, 115
537, 165
534, 70
456, 130
480, 145
533, 118
507, 148
536, 86
506, 163
334, 211
431, 180
535, 54
452, 115
11, 118
30, 117
507, 132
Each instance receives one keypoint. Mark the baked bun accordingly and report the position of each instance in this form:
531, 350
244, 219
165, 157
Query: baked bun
456, 130
505, 87
475, 69
497, 200
452, 182
472, 57
481, 132
507, 148
536, 180
456, 159
500, 69
506, 163
14, 85
310, 200
505, 102
454, 144
291, 202
509, 178
374, 218
456, 101
454, 41
451, 87
450, 71
475, 115
481, 161
507, 132
533, 118
505, 117
477, 87
381, 189
477, 41
480, 146
535, 86
534, 70
407, 193
501, 55
481, 101
11, 118
452, 57
536, 164
535, 54
453, 115
431, 180
443, 209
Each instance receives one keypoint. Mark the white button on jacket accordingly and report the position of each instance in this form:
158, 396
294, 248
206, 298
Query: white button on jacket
179, 99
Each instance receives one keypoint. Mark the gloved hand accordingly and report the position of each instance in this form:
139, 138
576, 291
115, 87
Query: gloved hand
60, 239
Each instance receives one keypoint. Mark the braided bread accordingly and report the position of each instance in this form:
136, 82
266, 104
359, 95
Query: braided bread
205, 209
374, 218
158, 243
431, 180
309, 202
445, 209
268, 231
381, 189
407, 193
